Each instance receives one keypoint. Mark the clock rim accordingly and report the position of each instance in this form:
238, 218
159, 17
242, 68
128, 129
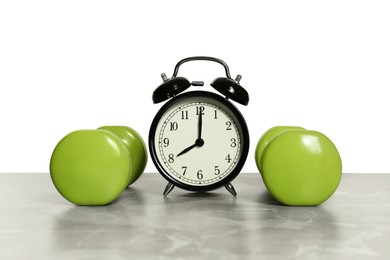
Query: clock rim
245, 142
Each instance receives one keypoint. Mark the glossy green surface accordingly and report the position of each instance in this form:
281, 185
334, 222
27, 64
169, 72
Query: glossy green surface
136, 147
267, 137
301, 168
90, 167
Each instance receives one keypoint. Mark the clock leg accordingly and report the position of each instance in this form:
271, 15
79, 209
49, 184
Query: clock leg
168, 188
231, 189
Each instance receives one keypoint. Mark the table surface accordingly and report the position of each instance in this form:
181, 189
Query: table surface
37, 223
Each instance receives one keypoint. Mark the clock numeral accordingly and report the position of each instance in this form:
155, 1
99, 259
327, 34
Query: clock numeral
228, 159
229, 125
215, 114
199, 174
166, 142
200, 110
184, 168
174, 126
217, 171
234, 142
171, 158
184, 115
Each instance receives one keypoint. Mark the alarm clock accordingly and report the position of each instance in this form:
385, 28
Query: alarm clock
199, 140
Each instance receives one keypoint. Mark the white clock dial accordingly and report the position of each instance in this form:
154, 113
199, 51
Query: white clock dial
198, 141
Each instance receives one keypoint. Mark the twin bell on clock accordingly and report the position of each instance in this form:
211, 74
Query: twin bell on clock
199, 140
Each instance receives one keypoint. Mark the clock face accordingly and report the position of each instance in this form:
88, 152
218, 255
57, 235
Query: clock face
199, 141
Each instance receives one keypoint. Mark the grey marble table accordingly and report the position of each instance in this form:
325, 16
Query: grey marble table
37, 223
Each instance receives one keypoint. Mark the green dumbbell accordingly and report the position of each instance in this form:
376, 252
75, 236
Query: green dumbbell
93, 167
299, 167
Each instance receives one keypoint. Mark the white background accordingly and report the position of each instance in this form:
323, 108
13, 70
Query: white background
68, 65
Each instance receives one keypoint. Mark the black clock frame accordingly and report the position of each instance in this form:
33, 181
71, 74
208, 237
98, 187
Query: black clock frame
245, 143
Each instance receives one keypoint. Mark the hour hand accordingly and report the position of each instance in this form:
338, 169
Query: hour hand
198, 143
186, 150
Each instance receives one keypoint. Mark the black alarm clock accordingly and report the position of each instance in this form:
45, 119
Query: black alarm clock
199, 140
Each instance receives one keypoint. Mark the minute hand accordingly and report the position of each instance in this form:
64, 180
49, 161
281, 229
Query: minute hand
200, 125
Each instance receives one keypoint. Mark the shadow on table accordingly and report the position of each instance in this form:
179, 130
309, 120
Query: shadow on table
99, 227
266, 198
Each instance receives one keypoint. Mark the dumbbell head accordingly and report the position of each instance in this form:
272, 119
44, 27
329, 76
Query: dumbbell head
135, 146
301, 167
267, 137
90, 167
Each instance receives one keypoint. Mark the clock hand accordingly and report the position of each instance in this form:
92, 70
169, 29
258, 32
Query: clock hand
198, 143
186, 150
200, 125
